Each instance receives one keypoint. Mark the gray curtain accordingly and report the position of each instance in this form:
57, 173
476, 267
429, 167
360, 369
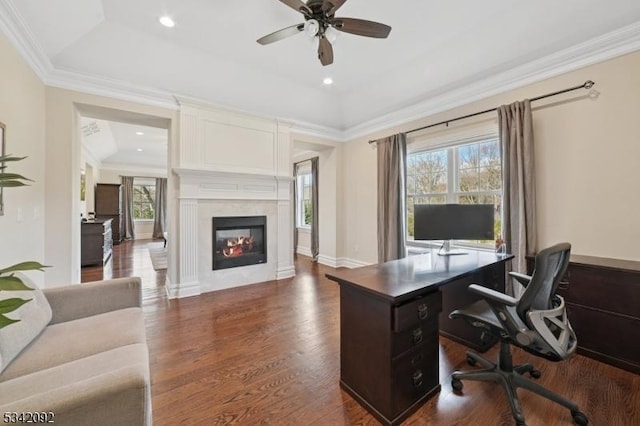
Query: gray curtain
295, 208
315, 246
160, 207
392, 165
127, 207
519, 192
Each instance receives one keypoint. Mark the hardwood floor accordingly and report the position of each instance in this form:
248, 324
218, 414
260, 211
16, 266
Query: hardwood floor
268, 354
129, 258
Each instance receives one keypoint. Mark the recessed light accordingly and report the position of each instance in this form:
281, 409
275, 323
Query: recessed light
140, 133
139, 149
167, 21
327, 81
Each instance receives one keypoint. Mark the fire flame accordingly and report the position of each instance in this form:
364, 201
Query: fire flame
238, 246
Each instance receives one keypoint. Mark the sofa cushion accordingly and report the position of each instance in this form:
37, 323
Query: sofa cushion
112, 387
33, 317
72, 340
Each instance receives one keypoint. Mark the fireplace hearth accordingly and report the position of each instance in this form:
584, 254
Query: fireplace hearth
239, 241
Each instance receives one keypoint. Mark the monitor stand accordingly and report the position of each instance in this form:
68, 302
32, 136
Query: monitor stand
446, 250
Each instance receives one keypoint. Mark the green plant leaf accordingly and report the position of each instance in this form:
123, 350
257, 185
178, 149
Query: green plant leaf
12, 176
5, 321
8, 157
10, 305
12, 283
11, 184
24, 266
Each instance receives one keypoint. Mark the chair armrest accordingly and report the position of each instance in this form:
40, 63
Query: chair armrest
521, 278
83, 300
496, 296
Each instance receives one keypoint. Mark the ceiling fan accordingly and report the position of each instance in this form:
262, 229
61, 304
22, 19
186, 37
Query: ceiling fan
321, 24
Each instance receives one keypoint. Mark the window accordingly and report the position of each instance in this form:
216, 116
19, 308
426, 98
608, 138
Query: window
303, 199
469, 173
144, 196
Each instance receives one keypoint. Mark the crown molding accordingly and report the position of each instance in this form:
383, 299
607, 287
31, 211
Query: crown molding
14, 28
616, 43
111, 88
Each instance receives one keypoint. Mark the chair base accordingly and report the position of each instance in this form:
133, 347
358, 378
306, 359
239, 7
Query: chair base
511, 377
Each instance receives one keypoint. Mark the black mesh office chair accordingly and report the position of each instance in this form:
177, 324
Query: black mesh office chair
536, 322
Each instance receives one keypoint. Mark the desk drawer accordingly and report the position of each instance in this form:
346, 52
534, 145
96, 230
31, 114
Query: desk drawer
414, 336
413, 313
415, 373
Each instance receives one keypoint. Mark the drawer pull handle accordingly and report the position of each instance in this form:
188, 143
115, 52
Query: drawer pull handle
417, 378
417, 359
417, 336
423, 311
563, 285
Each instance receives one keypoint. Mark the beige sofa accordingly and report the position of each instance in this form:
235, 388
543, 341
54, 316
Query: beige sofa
90, 364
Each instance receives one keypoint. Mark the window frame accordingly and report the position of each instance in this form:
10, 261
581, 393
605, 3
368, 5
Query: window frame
302, 175
450, 144
152, 203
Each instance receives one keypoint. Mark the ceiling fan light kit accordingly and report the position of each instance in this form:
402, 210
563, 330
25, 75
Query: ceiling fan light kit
323, 27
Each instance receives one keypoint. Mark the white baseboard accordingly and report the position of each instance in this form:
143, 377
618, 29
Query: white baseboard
180, 291
344, 262
145, 236
305, 251
327, 260
287, 272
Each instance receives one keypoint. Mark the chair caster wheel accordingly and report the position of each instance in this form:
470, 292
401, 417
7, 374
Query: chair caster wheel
535, 373
456, 384
471, 361
580, 418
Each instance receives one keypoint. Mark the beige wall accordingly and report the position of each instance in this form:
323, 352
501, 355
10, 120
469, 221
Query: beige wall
22, 110
63, 164
587, 164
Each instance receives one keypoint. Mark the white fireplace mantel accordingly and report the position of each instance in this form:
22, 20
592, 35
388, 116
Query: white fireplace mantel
230, 164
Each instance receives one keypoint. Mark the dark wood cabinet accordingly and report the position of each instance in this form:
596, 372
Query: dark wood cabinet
109, 206
603, 305
96, 242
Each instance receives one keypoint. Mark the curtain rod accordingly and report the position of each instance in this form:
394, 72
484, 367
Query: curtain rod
587, 85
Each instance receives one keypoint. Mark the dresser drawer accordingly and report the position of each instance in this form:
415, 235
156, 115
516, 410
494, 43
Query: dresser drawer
415, 373
413, 313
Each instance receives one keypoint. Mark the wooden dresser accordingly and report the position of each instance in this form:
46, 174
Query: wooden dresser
109, 206
96, 242
603, 304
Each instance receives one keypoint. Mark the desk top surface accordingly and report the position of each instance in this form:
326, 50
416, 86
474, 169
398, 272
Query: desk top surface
399, 279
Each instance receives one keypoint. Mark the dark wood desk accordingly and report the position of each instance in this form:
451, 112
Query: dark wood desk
390, 316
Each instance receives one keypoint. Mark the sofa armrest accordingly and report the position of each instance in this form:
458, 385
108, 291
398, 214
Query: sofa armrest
80, 301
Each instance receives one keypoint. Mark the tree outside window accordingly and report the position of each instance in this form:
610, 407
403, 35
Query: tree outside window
143, 201
463, 174
304, 200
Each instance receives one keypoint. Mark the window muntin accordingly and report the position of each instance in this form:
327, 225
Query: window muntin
469, 173
304, 210
144, 196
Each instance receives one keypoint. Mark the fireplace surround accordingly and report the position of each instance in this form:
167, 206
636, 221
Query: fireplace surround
238, 241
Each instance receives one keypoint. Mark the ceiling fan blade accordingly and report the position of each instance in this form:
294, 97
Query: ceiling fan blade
329, 7
298, 5
361, 27
325, 51
281, 34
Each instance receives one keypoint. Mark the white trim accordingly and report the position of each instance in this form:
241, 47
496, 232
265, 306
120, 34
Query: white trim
598, 49
287, 272
182, 290
343, 262
327, 260
615, 43
305, 251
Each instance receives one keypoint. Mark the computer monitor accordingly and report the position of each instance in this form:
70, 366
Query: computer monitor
453, 222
